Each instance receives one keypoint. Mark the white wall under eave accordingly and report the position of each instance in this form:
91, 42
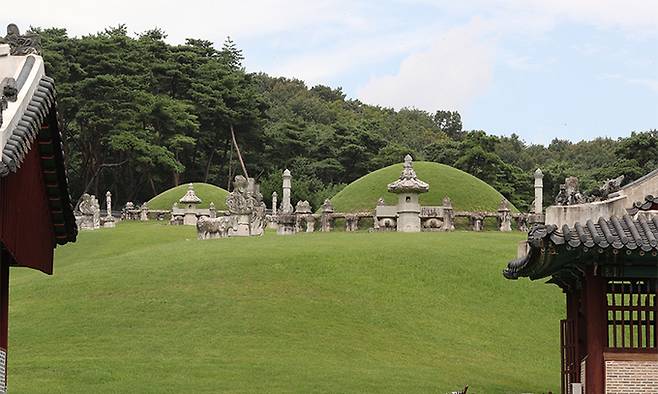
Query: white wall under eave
10, 67
560, 215
638, 190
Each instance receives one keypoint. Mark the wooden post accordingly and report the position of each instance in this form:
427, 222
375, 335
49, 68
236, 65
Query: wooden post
4, 318
597, 331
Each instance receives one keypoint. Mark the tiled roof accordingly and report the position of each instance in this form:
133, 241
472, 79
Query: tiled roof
650, 203
616, 234
38, 127
26, 131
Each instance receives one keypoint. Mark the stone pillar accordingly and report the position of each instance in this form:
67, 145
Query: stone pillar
310, 223
326, 220
108, 202
408, 213
274, 202
286, 206
143, 212
539, 192
504, 217
108, 221
448, 215
477, 222
352, 222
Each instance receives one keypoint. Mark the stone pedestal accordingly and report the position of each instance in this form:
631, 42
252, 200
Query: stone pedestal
408, 213
108, 222
242, 227
189, 219
286, 224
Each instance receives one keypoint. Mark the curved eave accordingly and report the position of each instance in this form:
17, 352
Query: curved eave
39, 126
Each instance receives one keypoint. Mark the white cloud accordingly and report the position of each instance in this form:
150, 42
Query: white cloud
198, 19
638, 16
447, 75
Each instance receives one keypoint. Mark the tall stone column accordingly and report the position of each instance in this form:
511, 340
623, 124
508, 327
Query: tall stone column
286, 206
539, 192
108, 221
274, 203
108, 203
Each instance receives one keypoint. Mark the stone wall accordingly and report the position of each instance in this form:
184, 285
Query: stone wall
560, 215
638, 189
632, 377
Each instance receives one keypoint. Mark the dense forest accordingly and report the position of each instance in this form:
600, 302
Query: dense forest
140, 116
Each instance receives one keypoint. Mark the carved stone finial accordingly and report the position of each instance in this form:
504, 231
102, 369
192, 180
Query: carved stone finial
327, 207
446, 202
190, 197
538, 174
408, 181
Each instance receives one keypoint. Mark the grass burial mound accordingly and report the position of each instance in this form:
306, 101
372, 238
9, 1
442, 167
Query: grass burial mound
147, 308
467, 192
206, 192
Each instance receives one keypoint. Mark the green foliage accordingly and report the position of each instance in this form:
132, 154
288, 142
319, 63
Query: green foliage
466, 191
146, 308
141, 116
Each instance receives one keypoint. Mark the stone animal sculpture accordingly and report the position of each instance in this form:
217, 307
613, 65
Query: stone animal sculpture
609, 186
210, 228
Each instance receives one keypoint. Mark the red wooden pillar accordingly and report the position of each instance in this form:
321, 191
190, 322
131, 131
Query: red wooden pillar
4, 318
597, 331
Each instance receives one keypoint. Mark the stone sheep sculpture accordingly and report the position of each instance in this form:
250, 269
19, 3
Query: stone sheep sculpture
210, 228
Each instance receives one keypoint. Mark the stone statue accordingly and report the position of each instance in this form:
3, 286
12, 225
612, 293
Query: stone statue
88, 217
108, 203
209, 228
504, 216
21, 45
570, 193
236, 201
609, 186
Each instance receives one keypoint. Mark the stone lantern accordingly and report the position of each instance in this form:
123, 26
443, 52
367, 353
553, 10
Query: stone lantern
408, 187
189, 202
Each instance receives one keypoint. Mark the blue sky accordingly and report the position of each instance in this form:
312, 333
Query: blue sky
543, 69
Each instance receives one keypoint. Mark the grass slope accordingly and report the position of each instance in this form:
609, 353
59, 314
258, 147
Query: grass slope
207, 193
146, 308
467, 192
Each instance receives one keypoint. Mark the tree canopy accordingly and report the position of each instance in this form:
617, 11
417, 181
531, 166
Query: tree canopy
141, 115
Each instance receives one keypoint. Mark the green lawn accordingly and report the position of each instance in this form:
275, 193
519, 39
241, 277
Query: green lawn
206, 192
146, 308
467, 192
